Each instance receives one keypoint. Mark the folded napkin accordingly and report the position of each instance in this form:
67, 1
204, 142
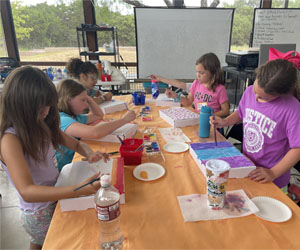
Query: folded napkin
194, 207
173, 134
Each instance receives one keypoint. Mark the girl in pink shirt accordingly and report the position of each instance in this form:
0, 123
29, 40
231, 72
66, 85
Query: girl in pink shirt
206, 89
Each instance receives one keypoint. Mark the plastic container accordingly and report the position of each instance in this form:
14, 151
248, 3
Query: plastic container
217, 173
138, 98
127, 151
107, 201
204, 125
155, 89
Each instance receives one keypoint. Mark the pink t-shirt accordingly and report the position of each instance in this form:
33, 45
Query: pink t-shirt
203, 95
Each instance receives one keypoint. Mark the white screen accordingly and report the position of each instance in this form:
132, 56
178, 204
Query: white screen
169, 41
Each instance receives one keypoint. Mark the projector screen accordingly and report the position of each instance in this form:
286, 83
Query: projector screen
169, 41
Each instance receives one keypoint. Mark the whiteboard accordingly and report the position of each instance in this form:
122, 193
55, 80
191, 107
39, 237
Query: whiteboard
169, 41
276, 26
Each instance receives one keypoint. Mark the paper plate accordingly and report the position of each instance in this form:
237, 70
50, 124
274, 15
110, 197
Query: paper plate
271, 209
176, 147
148, 171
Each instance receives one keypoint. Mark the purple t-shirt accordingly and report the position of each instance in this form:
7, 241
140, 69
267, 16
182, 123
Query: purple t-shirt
270, 130
203, 95
43, 173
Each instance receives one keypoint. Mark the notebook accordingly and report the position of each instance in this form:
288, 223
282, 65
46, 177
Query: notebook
264, 50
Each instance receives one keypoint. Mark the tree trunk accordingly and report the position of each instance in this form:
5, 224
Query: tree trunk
135, 3
214, 4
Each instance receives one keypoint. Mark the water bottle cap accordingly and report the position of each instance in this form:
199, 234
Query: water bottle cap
205, 109
105, 180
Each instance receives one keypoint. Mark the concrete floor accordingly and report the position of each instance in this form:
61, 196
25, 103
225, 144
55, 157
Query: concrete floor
12, 234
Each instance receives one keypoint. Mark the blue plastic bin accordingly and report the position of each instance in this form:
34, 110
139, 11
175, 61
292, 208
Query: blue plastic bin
138, 98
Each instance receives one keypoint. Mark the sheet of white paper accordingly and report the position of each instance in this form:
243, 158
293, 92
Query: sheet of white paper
194, 207
172, 134
76, 172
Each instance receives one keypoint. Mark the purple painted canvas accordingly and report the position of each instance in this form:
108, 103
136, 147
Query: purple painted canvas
224, 151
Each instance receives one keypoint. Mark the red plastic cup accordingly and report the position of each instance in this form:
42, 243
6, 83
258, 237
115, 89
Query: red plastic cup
127, 151
108, 78
103, 77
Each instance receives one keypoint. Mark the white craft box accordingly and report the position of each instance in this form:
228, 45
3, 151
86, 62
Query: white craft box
164, 101
112, 106
76, 172
179, 117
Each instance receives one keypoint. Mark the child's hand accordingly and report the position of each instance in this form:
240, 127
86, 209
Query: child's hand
155, 78
129, 116
261, 175
171, 94
217, 121
108, 96
97, 156
91, 188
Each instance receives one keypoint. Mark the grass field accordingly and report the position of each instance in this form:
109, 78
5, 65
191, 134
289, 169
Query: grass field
64, 54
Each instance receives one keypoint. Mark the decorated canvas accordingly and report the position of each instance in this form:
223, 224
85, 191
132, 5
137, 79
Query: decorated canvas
179, 117
240, 165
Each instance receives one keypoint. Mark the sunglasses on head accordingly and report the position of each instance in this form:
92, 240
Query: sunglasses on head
93, 77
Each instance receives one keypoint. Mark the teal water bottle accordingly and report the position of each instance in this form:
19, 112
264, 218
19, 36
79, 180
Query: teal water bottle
204, 125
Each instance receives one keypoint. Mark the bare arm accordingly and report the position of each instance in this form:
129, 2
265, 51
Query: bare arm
263, 175
13, 156
173, 82
224, 110
108, 96
94, 132
82, 148
102, 96
187, 101
95, 111
234, 118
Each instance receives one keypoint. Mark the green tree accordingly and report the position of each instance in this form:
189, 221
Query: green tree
124, 24
20, 18
242, 21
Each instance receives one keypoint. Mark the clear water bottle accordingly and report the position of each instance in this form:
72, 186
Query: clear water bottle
107, 201
155, 89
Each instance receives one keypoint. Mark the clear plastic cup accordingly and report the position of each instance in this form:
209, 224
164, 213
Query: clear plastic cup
217, 172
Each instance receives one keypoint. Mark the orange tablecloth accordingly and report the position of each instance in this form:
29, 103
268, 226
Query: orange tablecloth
151, 217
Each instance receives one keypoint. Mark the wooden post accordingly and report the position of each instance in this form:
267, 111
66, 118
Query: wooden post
9, 30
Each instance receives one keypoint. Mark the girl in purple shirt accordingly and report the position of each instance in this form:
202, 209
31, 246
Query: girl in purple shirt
271, 117
206, 89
